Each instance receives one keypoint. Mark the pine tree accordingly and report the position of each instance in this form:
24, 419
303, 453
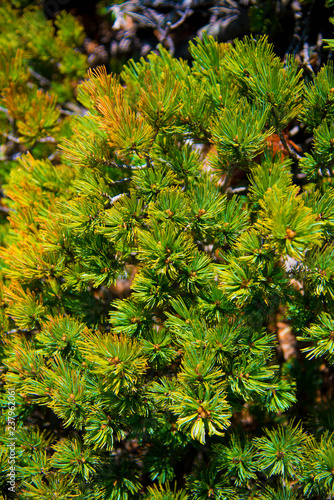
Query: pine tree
172, 184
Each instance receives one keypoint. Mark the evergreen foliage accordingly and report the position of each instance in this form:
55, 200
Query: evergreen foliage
40, 66
176, 388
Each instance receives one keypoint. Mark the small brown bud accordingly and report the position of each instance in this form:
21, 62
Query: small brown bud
290, 234
244, 283
200, 213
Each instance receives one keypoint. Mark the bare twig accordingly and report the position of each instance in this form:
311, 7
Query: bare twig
306, 58
111, 163
297, 12
47, 139
10, 137
78, 110
53, 156
65, 112
42, 80
5, 209
188, 11
292, 153
236, 190
120, 181
113, 199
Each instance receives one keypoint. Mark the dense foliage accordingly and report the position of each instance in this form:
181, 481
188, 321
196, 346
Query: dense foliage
148, 271
40, 66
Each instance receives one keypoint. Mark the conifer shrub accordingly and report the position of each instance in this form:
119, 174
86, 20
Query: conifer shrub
150, 275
